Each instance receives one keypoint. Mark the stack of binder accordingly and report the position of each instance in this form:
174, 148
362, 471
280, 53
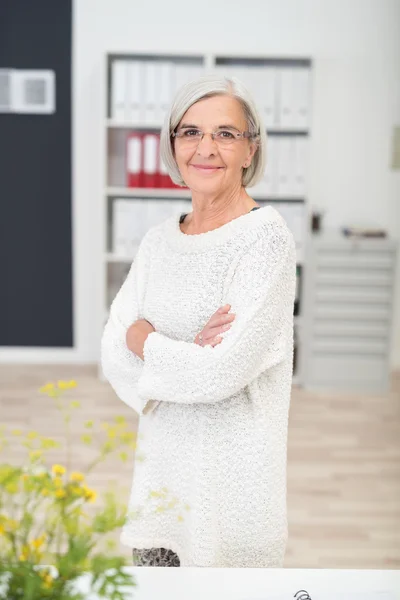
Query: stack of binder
141, 90
281, 93
144, 167
132, 218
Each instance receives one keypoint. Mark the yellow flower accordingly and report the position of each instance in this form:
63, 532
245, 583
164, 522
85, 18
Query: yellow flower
38, 542
76, 490
47, 388
2, 529
23, 557
12, 488
35, 455
72, 383
45, 492
58, 469
180, 518
89, 424
75, 404
90, 495
62, 385
11, 525
86, 438
32, 435
47, 579
60, 493
76, 476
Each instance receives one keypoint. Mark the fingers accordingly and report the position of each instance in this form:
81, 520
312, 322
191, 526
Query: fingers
219, 320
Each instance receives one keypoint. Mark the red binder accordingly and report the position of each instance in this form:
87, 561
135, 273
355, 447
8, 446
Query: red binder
134, 160
150, 160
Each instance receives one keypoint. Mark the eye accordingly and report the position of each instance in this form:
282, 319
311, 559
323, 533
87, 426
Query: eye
225, 134
191, 133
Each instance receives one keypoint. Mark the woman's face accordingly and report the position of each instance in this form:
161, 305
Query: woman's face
209, 167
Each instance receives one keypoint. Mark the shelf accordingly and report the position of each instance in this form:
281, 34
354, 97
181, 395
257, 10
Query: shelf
113, 124
149, 192
185, 194
109, 257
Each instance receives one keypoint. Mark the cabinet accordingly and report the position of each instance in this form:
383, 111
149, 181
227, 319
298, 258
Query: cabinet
348, 314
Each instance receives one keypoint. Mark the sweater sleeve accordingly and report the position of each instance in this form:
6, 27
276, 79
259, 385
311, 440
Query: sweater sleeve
261, 294
121, 367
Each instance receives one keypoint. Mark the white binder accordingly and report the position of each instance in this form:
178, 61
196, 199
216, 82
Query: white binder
120, 227
119, 90
268, 89
165, 85
301, 96
271, 171
150, 91
135, 91
300, 165
286, 98
286, 167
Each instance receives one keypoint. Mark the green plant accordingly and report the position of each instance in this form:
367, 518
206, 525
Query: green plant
50, 535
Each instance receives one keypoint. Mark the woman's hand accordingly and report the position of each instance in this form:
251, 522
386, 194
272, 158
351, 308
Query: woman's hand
137, 335
219, 322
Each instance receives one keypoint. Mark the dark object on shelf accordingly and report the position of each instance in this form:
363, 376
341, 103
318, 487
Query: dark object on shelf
295, 351
363, 232
316, 222
298, 290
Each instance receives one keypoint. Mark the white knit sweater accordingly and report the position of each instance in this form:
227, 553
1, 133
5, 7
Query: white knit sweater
210, 467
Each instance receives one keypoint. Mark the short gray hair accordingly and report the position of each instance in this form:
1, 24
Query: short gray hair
207, 87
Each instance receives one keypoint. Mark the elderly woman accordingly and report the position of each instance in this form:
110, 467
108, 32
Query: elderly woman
199, 342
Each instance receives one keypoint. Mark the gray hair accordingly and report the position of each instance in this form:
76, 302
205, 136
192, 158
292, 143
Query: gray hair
206, 87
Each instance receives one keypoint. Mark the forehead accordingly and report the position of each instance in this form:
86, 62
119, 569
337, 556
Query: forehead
215, 111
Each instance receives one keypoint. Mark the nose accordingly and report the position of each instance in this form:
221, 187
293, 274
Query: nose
206, 146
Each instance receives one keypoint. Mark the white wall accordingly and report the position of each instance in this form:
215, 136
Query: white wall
355, 46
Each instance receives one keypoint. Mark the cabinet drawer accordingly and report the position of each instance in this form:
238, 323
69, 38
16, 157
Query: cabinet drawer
359, 259
350, 313
361, 329
345, 345
346, 369
352, 277
354, 295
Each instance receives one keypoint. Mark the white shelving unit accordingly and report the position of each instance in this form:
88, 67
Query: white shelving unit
272, 78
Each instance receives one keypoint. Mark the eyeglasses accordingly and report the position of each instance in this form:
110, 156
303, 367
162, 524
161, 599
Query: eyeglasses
190, 136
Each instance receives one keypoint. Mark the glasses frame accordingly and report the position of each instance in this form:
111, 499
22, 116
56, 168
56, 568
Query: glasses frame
239, 135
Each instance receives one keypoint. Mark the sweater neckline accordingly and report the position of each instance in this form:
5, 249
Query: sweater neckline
183, 242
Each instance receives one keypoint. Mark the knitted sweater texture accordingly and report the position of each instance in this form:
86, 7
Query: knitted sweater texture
210, 465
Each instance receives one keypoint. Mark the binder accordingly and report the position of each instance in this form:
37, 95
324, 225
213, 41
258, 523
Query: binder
166, 85
150, 91
120, 227
269, 88
285, 184
271, 171
134, 160
286, 98
301, 97
135, 110
119, 90
300, 166
150, 160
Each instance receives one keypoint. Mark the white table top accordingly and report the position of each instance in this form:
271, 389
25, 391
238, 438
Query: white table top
262, 584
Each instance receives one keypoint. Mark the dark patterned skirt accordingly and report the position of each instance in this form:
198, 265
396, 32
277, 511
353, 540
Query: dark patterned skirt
155, 557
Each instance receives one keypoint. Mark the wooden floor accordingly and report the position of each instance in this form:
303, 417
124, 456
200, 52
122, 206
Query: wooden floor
343, 462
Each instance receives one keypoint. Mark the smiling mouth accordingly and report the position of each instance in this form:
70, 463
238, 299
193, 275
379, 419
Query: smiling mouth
206, 167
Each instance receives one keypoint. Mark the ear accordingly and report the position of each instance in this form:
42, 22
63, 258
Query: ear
251, 153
